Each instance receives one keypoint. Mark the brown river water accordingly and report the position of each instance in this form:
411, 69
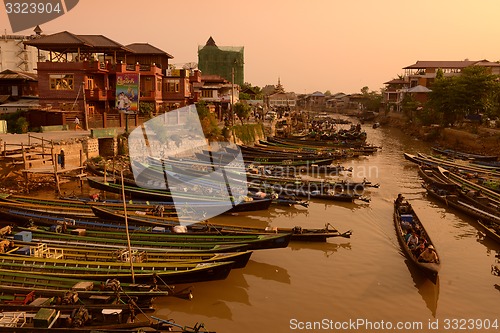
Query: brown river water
361, 284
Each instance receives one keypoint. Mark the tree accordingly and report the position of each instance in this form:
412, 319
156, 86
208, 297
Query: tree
372, 101
208, 121
328, 93
475, 91
242, 110
439, 74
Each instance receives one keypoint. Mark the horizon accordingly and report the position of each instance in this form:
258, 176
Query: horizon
321, 46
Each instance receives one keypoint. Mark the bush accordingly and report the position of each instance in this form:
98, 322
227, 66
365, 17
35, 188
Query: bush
16, 122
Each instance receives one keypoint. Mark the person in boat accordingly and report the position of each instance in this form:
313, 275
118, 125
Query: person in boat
409, 231
420, 248
94, 197
406, 226
399, 199
412, 241
428, 255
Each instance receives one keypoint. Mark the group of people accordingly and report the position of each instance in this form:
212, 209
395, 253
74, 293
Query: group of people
419, 246
415, 240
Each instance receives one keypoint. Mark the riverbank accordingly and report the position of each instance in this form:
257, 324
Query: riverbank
468, 137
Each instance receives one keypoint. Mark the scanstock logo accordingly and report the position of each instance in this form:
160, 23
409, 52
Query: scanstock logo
169, 154
25, 14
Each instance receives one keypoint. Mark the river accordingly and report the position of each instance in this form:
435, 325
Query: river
357, 284
361, 284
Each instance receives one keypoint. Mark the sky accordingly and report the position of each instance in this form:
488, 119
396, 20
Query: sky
314, 45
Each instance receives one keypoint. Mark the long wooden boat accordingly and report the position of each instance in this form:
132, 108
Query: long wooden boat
186, 240
316, 193
240, 259
170, 273
463, 155
463, 182
265, 160
95, 324
433, 177
297, 233
158, 195
154, 224
26, 217
404, 209
78, 209
45, 285
490, 220
60, 239
491, 230
422, 159
460, 165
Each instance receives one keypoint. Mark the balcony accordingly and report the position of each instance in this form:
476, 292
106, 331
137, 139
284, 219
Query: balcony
150, 95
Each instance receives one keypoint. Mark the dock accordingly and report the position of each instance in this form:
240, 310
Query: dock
38, 157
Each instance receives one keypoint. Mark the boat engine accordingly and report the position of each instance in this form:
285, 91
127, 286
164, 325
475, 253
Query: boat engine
79, 317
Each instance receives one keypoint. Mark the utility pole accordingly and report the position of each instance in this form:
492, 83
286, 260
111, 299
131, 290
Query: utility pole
232, 95
85, 115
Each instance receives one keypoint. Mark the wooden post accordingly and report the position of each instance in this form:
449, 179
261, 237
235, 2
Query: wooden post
25, 163
29, 140
56, 177
52, 152
43, 151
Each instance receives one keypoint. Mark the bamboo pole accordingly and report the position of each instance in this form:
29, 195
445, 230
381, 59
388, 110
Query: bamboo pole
126, 228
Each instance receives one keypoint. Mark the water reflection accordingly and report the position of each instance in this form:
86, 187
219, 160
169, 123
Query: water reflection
328, 248
267, 271
428, 290
210, 299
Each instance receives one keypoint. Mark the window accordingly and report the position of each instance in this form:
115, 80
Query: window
172, 85
61, 82
90, 82
207, 93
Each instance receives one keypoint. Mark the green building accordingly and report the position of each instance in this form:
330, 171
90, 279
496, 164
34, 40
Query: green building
221, 60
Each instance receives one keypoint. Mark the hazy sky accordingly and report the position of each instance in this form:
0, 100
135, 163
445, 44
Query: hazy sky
311, 45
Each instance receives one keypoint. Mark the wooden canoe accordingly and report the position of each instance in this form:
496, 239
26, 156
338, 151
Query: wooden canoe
431, 270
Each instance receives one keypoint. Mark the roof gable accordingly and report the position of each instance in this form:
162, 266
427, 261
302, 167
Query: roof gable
63, 37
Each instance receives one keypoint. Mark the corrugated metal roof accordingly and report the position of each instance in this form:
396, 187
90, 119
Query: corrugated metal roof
396, 81
145, 48
213, 78
441, 64
100, 41
63, 37
66, 40
419, 89
14, 75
